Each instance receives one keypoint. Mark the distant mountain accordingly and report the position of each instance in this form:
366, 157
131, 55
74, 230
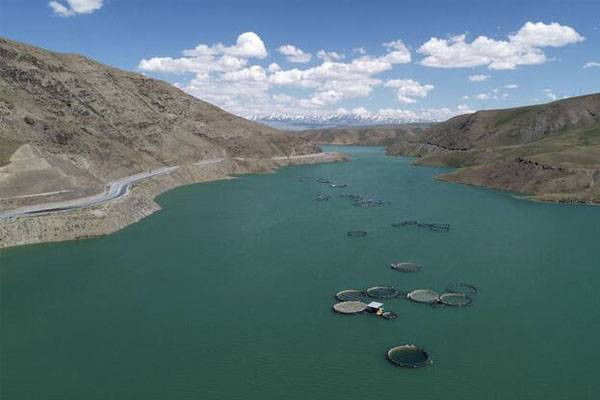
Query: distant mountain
371, 135
69, 124
550, 151
302, 122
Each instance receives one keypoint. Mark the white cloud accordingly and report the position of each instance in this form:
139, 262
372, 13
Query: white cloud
330, 55
479, 78
234, 78
68, 8
294, 54
522, 48
407, 89
204, 59
546, 35
273, 67
549, 94
398, 53
360, 50
511, 86
254, 73
222, 74
592, 64
247, 45
192, 64
333, 81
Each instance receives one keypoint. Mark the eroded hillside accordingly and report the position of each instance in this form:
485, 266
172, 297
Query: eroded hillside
69, 124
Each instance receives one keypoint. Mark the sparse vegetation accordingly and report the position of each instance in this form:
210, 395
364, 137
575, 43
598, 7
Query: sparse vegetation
85, 123
551, 152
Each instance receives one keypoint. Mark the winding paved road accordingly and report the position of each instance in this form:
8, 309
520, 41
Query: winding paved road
113, 190
116, 189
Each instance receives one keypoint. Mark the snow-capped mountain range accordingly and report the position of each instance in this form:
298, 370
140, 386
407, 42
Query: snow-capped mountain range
298, 122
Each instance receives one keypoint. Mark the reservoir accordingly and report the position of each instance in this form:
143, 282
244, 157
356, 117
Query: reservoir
227, 293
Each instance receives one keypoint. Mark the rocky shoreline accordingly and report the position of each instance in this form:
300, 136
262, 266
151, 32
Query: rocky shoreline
114, 215
524, 174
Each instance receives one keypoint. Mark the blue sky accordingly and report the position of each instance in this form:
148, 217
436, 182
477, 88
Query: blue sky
410, 59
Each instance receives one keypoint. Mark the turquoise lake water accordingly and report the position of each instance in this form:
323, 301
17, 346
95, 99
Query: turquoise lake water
226, 293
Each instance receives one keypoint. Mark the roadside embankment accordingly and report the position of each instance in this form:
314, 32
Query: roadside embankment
132, 205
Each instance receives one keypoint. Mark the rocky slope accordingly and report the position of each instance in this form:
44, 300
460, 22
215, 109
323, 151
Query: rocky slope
549, 151
72, 123
373, 135
69, 125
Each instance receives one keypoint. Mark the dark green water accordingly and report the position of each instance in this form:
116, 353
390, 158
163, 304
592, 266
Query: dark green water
227, 292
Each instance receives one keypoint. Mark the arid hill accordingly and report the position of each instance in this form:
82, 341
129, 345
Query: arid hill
69, 124
73, 130
549, 151
371, 135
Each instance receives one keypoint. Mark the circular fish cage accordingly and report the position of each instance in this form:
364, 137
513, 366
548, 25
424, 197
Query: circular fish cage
389, 315
350, 307
424, 225
350, 196
405, 223
357, 233
382, 292
351, 295
461, 287
365, 203
406, 267
455, 299
424, 296
409, 356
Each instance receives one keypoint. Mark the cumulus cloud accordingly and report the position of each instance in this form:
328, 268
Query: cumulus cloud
511, 86
479, 78
522, 48
546, 35
330, 55
407, 90
591, 64
273, 67
233, 77
69, 8
204, 59
221, 72
247, 45
294, 54
398, 53
333, 81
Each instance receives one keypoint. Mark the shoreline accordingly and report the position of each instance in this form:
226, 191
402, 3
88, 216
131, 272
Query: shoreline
138, 201
549, 199
543, 183
542, 197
